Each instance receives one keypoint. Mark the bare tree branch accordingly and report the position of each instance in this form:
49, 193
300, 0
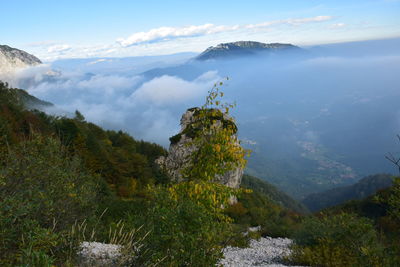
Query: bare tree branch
393, 159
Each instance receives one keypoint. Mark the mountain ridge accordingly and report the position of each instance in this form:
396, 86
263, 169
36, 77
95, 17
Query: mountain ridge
242, 48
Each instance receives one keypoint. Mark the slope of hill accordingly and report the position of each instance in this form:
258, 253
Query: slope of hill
273, 193
126, 164
365, 187
12, 58
381, 207
22, 98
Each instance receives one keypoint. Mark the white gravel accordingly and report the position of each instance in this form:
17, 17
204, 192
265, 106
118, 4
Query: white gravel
264, 252
99, 254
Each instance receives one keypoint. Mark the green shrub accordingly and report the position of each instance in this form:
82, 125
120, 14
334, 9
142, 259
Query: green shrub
185, 223
338, 240
394, 200
43, 191
256, 209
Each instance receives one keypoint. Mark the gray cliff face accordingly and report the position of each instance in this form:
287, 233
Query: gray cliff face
179, 155
12, 59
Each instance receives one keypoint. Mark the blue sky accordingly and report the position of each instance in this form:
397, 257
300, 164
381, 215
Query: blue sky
88, 28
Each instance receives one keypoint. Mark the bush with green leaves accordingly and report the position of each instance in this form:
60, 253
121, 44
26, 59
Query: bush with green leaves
337, 240
257, 209
394, 200
186, 223
390, 223
43, 192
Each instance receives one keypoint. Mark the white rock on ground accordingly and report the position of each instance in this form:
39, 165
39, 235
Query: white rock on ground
266, 252
99, 254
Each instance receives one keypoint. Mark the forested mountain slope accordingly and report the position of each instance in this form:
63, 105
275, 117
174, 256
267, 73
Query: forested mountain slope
273, 193
365, 187
125, 163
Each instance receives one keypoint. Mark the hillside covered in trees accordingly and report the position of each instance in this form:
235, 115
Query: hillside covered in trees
365, 187
65, 180
126, 164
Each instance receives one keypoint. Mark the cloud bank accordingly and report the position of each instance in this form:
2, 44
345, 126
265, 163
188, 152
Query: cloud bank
168, 33
148, 110
58, 48
169, 91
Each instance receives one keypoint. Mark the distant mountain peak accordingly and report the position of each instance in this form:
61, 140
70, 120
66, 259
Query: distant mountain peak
242, 48
13, 58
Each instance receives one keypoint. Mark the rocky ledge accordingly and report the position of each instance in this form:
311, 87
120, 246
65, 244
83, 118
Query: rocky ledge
181, 148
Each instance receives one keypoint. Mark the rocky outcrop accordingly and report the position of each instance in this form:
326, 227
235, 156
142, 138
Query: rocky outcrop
12, 59
181, 148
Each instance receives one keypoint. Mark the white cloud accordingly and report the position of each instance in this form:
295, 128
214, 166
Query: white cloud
165, 33
170, 90
58, 48
108, 84
289, 22
308, 20
168, 33
98, 61
41, 44
337, 25
50, 51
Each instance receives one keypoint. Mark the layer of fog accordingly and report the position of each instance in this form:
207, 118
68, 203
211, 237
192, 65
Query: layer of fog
148, 110
121, 66
341, 98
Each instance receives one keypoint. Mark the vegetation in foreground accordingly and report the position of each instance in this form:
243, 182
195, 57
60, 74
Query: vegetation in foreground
64, 181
